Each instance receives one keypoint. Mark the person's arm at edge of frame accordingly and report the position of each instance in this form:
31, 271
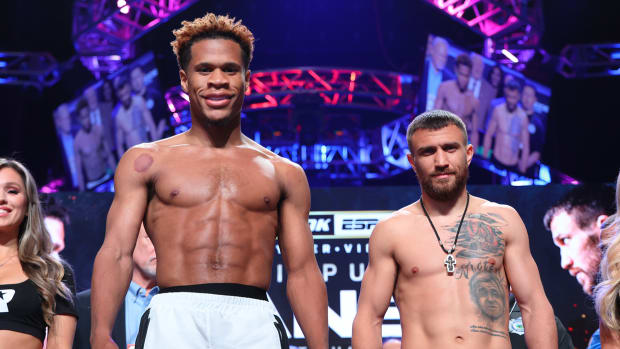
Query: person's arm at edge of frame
305, 287
523, 276
113, 264
60, 335
377, 288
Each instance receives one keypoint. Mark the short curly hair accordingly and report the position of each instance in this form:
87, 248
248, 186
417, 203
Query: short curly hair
211, 26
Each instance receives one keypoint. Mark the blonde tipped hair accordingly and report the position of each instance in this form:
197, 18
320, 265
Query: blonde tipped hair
211, 26
607, 292
35, 247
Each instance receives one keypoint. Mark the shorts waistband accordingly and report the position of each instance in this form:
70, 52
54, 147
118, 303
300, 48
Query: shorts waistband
224, 289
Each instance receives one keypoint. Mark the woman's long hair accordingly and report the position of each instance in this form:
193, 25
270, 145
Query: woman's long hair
35, 247
607, 292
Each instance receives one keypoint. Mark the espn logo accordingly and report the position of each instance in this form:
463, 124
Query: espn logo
321, 224
358, 224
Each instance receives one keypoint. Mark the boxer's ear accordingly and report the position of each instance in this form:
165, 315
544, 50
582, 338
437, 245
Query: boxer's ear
411, 162
183, 78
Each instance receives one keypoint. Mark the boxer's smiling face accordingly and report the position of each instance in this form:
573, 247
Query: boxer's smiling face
215, 80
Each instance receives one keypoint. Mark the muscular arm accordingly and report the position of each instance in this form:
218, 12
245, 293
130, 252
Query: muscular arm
305, 287
377, 288
113, 264
522, 273
488, 137
60, 335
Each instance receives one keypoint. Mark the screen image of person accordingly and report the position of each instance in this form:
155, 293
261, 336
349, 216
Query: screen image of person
508, 129
575, 224
454, 96
435, 72
94, 161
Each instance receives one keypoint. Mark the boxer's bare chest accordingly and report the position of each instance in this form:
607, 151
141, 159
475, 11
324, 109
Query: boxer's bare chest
242, 178
478, 246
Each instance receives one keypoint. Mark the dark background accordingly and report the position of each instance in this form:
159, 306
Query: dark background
385, 35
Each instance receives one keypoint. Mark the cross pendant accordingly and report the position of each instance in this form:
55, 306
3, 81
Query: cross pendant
450, 263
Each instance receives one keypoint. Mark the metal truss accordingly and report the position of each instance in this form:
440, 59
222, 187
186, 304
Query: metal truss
103, 30
511, 25
590, 60
394, 144
366, 89
38, 69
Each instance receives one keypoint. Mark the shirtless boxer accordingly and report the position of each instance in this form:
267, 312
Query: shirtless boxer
509, 125
450, 296
454, 96
213, 203
93, 159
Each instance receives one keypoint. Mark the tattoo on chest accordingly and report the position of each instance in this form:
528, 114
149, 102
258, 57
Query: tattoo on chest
488, 293
481, 236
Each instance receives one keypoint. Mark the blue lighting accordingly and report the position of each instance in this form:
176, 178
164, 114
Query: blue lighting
2, 64
614, 71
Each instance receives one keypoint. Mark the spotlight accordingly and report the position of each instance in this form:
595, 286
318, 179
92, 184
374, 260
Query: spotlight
510, 56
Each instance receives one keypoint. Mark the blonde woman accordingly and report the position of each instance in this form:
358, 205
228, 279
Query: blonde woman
607, 292
34, 296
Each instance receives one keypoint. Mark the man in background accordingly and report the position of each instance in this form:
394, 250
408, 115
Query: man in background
93, 160
133, 119
100, 114
62, 120
536, 127
483, 91
454, 96
509, 126
575, 223
435, 72
56, 220
141, 289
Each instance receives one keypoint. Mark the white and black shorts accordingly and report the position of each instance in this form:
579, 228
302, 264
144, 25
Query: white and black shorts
218, 316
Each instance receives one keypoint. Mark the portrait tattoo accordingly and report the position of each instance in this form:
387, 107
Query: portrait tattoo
488, 292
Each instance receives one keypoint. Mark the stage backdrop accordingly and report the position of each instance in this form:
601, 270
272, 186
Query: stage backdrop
341, 221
